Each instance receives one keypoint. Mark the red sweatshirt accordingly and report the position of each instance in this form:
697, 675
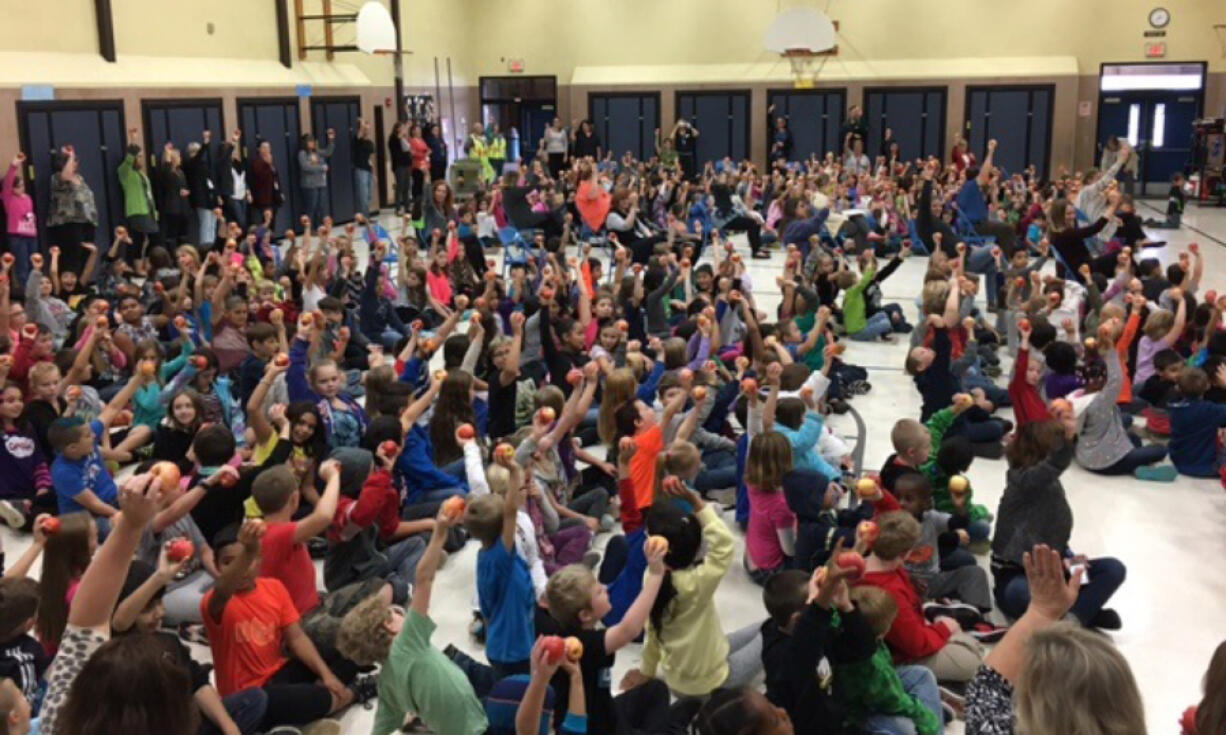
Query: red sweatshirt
377, 504
911, 637
1028, 405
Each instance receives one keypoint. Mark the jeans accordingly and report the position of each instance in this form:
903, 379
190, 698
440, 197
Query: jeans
246, 708
22, 248
402, 188
980, 260
1106, 575
403, 557
236, 211
918, 682
718, 471
313, 203
878, 325
744, 655
208, 227
1140, 456
363, 182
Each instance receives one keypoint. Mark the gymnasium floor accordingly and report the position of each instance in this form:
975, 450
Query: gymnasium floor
1172, 537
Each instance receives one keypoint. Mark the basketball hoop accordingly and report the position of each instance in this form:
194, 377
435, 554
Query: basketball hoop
802, 61
375, 30
800, 35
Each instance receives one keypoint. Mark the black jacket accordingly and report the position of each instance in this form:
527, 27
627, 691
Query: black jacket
198, 169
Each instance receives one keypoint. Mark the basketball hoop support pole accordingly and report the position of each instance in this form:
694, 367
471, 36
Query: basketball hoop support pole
398, 63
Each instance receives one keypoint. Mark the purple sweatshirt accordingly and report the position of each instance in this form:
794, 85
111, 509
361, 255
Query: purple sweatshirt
1059, 386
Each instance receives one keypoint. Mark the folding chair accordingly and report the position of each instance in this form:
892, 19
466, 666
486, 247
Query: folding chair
965, 229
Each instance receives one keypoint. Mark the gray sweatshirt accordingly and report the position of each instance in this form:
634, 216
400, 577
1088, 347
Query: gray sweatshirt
314, 174
1103, 441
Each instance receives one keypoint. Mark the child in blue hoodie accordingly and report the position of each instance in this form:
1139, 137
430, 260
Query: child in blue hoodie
1195, 423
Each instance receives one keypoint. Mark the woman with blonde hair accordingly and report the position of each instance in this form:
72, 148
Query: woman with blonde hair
1052, 677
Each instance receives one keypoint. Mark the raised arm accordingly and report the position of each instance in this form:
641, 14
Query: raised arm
96, 595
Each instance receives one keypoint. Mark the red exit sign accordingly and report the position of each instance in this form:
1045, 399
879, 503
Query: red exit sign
1155, 50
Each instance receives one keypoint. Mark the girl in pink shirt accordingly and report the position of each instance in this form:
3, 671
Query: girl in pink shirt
770, 538
19, 212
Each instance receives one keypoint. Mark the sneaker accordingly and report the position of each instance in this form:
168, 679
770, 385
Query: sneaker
476, 628
365, 687
968, 616
14, 514
323, 727
954, 698
1106, 619
284, 730
987, 633
193, 633
761, 255
839, 406
1153, 473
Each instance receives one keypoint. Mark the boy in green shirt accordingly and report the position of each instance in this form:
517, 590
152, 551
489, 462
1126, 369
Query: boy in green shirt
416, 677
874, 694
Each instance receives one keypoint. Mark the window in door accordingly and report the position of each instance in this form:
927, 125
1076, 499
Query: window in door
1158, 137
1134, 124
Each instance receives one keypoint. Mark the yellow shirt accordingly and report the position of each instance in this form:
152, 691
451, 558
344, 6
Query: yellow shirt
693, 654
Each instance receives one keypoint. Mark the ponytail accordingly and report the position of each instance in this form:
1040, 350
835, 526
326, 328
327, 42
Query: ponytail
728, 712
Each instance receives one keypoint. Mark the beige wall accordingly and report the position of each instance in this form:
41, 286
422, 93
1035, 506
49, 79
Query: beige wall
568, 34
480, 36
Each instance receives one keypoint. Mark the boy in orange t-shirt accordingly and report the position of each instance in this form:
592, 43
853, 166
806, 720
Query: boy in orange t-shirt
638, 422
250, 620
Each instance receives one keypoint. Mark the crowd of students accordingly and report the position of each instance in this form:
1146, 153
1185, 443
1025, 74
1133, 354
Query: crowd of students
271, 402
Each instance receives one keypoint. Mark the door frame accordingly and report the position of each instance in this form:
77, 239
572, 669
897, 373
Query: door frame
1031, 88
328, 100
746, 92
923, 88
110, 182
526, 153
1199, 94
1144, 93
177, 102
591, 116
291, 196
841, 91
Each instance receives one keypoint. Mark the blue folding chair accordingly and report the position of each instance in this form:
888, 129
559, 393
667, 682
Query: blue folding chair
965, 229
515, 249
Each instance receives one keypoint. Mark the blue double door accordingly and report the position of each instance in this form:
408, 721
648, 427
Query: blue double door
814, 117
1158, 123
96, 132
1019, 118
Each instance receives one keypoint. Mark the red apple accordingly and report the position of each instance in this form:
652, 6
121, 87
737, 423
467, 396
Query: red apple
228, 479
623, 325
454, 507
466, 431
574, 376
281, 360
851, 560
30, 330
504, 451
148, 368
699, 393
8, 259
546, 415
102, 322
555, 648
388, 448
200, 362
168, 473
868, 531
749, 385
1023, 324
181, 322
50, 525
866, 487
180, 549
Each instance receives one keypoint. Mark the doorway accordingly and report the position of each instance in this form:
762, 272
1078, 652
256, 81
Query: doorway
1152, 106
340, 114
275, 120
522, 107
96, 131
